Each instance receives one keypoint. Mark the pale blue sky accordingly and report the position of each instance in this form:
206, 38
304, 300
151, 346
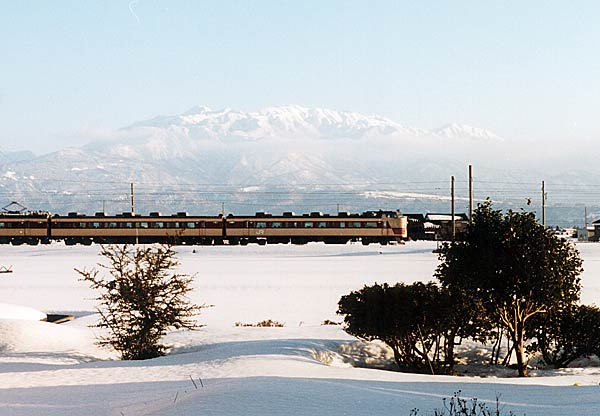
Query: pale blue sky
523, 69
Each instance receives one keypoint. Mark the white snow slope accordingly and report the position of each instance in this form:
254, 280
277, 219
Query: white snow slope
49, 369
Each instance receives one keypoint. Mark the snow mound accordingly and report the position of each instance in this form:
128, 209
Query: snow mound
26, 336
8, 311
364, 354
583, 362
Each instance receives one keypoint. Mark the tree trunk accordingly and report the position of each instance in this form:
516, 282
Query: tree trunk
521, 365
450, 352
396, 356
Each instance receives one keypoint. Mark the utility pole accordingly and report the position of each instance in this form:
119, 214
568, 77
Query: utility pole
132, 217
470, 193
132, 201
452, 209
543, 204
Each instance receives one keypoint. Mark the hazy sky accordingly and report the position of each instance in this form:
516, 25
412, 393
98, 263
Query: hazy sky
524, 69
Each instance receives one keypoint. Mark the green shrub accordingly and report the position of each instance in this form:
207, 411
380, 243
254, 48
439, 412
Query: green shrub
565, 335
411, 319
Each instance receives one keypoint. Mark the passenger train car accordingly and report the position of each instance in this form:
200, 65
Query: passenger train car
369, 227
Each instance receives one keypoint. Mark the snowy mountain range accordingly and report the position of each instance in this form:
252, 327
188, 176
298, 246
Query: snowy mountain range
276, 159
188, 134
290, 122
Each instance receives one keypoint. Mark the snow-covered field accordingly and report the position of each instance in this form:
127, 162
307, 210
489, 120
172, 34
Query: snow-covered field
49, 369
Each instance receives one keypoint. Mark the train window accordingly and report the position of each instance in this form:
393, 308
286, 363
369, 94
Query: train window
276, 224
128, 225
113, 225
370, 224
3, 225
290, 224
82, 225
322, 225
95, 225
342, 224
261, 224
354, 224
143, 225
190, 225
308, 224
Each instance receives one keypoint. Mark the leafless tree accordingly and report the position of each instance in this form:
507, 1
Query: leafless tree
141, 298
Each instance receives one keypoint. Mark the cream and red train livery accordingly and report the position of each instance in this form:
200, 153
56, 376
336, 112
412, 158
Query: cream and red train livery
369, 227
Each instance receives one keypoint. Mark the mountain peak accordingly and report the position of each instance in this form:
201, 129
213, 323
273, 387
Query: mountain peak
197, 109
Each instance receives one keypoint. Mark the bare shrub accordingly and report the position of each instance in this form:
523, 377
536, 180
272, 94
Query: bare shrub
141, 298
261, 324
457, 406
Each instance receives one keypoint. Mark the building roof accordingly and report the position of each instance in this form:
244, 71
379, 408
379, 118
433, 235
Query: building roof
446, 217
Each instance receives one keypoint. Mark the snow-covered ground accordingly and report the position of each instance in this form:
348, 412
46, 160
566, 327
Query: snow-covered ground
300, 369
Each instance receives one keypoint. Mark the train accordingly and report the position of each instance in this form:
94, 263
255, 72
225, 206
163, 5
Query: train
34, 228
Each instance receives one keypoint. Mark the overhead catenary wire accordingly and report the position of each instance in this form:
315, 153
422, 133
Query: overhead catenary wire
69, 193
